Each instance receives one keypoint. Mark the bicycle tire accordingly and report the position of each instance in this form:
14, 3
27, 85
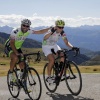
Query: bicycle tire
33, 83
54, 86
72, 73
12, 86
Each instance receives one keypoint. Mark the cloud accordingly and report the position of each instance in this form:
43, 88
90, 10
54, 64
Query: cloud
14, 20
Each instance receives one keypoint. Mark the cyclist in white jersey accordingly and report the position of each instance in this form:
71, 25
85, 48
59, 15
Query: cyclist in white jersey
50, 42
14, 43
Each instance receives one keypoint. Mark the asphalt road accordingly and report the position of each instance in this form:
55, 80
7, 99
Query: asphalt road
90, 90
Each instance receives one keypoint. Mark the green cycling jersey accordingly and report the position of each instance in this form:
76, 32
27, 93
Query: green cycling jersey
18, 36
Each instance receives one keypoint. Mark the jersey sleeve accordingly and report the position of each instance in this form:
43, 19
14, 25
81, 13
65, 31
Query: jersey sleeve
13, 34
63, 36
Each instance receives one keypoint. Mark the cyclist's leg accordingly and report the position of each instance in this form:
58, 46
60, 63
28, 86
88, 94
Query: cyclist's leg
50, 64
14, 60
50, 58
21, 63
8, 51
47, 51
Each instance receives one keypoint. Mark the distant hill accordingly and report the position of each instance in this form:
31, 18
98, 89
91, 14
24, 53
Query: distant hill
6, 29
93, 61
29, 43
80, 58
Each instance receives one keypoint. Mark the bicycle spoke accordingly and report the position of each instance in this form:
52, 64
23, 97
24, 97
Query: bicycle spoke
33, 84
13, 86
74, 80
50, 86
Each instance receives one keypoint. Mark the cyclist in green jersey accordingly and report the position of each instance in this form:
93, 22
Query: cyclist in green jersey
14, 43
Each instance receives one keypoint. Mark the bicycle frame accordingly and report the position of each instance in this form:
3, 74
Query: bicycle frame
19, 82
26, 62
66, 64
69, 70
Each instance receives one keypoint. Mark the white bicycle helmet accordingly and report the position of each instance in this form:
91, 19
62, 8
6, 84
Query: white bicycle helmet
26, 22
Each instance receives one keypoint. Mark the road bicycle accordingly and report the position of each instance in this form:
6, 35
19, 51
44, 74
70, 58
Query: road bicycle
30, 81
68, 72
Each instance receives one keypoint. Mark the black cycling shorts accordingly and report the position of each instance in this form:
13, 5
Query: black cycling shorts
8, 51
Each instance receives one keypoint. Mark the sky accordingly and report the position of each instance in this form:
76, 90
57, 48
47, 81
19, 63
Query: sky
45, 12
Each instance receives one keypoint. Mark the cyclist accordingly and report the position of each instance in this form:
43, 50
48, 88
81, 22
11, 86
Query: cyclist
14, 43
50, 42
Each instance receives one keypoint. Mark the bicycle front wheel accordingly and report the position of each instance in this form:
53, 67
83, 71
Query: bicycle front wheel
33, 84
73, 78
13, 84
50, 86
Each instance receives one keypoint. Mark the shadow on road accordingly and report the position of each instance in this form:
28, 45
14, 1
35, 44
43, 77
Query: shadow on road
13, 98
16, 99
56, 96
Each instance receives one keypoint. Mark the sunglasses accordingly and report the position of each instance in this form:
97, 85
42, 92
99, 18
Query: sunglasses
60, 27
25, 26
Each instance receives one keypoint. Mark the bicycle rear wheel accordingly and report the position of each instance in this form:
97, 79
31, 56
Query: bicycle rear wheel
33, 84
50, 87
73, 78
13, 87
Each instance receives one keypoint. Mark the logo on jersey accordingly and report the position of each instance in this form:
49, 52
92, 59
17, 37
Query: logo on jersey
22, 38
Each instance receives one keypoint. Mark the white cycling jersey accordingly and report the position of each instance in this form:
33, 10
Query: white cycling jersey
53, 39
51, 42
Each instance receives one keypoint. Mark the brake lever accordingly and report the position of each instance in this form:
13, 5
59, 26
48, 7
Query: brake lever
77, 52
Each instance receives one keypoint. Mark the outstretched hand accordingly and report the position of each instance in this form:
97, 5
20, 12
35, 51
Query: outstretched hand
75, 48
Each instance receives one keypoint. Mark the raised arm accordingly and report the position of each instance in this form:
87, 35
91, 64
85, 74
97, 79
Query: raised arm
53, 29
68, 43
64, 37
41, 31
